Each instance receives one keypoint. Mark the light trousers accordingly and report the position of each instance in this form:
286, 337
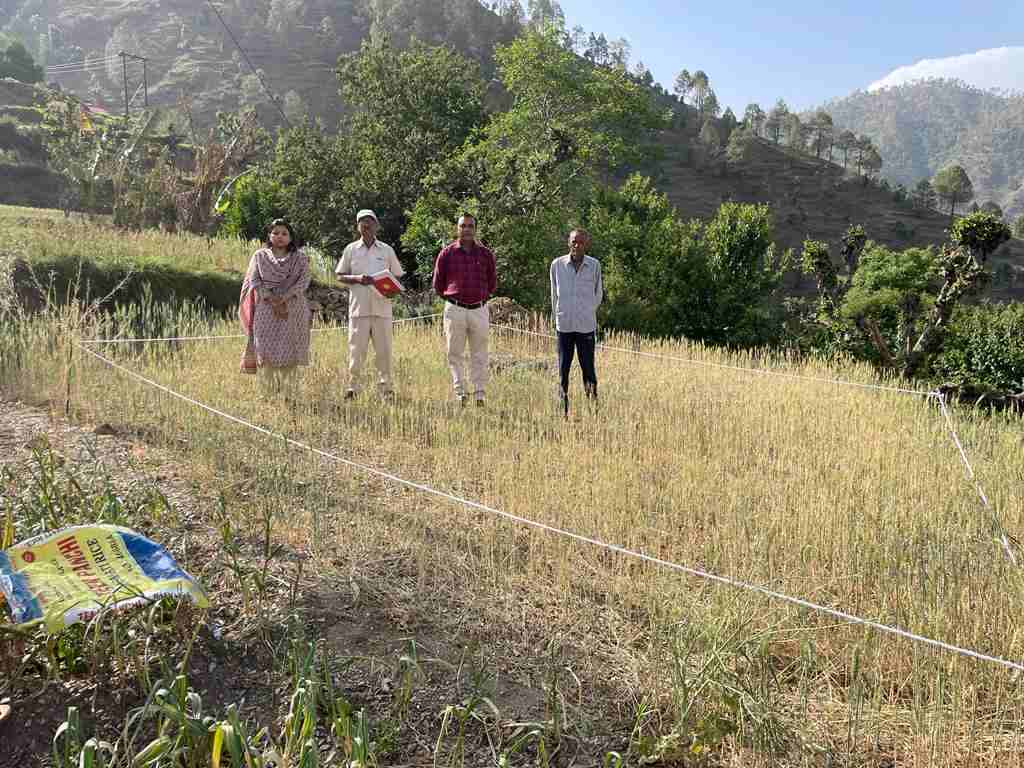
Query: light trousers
463, 325
361, 331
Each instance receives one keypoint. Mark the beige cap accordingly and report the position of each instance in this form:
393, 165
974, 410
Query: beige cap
364, 213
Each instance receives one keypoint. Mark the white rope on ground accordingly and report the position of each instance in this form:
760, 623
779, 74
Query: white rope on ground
973, 478
838, 382
725, 366
240, 335
577, 537
417, 317
163, 338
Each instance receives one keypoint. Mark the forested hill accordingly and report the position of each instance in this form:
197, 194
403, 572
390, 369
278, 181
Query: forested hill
811, 198
920, 127
294, 44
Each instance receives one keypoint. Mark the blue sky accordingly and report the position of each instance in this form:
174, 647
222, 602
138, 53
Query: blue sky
806, 52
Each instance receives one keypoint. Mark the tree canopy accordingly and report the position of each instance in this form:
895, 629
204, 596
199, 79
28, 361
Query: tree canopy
953, 186
17, 63
409, 107
527, 170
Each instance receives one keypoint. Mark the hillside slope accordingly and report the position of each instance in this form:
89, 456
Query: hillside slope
921, 127
192, 59
296, 43
812, 198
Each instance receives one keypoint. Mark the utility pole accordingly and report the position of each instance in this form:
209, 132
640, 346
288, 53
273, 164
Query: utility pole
124, 71
124, 74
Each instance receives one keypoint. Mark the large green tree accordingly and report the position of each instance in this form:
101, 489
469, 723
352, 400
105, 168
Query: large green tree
953, 186
409, 109
571, 124
17, 63
899, 304
707, 281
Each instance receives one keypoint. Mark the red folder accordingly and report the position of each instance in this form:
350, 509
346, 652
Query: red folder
387, 284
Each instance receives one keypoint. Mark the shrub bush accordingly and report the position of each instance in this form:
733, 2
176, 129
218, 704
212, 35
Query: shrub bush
252, 203
984, 349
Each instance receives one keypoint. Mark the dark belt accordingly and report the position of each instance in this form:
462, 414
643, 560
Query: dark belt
457, 303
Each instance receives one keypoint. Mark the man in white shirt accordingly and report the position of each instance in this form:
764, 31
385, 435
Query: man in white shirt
369, 313
576, 293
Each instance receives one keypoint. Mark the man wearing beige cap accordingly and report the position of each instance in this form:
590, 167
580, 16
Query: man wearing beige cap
369, 313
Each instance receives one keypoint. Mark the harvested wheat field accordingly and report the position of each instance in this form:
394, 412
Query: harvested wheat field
851, 498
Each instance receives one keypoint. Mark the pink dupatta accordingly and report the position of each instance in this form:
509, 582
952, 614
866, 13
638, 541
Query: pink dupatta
267, 272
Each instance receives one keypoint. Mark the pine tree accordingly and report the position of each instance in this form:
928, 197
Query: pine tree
754, 118
776, 118
711, 106
683, 85
701, 86
846, 141
953, 186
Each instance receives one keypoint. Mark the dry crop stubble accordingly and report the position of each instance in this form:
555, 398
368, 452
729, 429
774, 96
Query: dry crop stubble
850, 498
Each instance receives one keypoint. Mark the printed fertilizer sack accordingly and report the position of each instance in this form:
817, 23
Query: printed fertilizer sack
69, 576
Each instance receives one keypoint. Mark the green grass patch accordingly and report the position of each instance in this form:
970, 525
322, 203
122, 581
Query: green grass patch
85, 256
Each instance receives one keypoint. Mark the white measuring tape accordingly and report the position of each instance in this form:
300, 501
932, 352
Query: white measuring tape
725, 366
941, 398
973, 478
577, 537
325, 329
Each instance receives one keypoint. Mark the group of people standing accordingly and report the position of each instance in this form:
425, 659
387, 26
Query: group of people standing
276, 316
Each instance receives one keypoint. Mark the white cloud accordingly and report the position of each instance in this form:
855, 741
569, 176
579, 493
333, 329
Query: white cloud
1001, 68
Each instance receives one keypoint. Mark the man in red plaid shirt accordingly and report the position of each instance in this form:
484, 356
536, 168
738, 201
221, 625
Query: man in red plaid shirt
465, 276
